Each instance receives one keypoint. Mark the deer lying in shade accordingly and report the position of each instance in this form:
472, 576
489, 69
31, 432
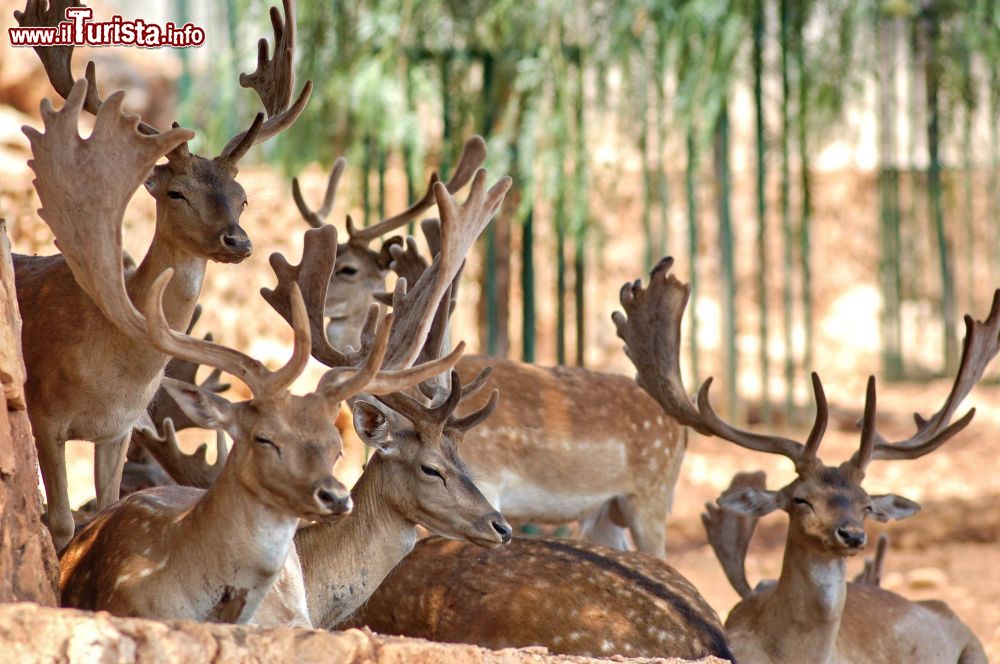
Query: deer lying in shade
573, 598
177, 552
565, 443
91, 371
811, 614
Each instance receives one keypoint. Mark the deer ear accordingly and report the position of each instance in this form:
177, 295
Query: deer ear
890, 506
750, 501
206, 409
372, 425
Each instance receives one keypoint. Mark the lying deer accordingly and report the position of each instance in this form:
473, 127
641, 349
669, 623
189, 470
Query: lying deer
565, 443
416, 475
811, 614
573, 598
104, 372
136, 558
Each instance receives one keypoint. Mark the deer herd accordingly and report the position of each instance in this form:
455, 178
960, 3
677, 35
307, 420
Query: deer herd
267, 534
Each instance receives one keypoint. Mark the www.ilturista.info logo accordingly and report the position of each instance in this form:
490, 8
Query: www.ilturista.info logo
79, 30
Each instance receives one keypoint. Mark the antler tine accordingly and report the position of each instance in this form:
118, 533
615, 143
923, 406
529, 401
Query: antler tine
460, 227
337, 389
473, 156
441, 415
476, 417
819, 424
116, 158
257, 377
980, 345
651, 330
864, 453
312, 277
273, 81
318, 217
185, 469
57, 60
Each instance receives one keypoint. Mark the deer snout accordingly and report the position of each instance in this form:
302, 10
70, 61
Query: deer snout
333, 497
502, 528
236, 243
851, 537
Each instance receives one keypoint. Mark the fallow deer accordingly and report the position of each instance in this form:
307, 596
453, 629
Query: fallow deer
91, 371
565, 443
416, 476
137, 557
573, 598
811, 613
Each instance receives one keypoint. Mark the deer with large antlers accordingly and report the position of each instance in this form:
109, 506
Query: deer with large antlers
564, 443
811, 613
416, 475
91, 370
136, 558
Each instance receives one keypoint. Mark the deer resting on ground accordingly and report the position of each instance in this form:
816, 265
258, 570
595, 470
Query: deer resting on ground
91, 370
811, 614
565, 443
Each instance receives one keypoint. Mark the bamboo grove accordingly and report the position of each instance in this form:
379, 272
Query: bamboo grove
539, 78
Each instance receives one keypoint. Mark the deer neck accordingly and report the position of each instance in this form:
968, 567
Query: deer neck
248, 539
807, 603
345, 561
182, 292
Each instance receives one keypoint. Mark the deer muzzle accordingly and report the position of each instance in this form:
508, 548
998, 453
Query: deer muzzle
235, 245
333, 498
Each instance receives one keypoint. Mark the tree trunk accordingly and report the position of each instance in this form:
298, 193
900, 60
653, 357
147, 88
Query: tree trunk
932, 76
582, 216
29, 571
691, 191
726, 244
759, 34
787, 232
805, 185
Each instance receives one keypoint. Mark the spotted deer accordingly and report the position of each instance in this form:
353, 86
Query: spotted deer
137, 557
416, 475
534, 459
91, 371
573, 598
811, 613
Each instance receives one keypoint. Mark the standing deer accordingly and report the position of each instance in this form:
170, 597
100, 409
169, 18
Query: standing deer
91, 370
416, 476
137, 557
811, 613
565, 443
574, 598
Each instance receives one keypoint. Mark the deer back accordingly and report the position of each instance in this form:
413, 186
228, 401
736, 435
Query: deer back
571, 598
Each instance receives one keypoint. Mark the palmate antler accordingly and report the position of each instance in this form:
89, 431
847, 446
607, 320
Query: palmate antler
273, 80
650, 329
312, 277
93, 250
185, 469
473, 156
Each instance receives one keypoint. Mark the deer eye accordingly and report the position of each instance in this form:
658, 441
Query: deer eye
802, 502
263, 440
176, 195
431, 472
347, 271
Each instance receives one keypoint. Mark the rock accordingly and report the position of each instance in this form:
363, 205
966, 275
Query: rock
29, 633
28, 567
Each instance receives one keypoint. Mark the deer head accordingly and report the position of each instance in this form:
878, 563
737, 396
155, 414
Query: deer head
360, 271
198, 200
827, 505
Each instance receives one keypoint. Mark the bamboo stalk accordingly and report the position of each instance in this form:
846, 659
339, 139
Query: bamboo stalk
759, 34
726, 245
691, 190
786, 216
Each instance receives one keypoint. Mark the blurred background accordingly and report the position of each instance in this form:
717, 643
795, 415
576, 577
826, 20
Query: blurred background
825, 173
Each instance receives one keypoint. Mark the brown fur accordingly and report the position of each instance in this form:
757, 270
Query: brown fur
572, 598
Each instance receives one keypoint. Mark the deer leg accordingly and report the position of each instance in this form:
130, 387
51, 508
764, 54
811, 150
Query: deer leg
605, 526
109, 462
52, 462
647, 519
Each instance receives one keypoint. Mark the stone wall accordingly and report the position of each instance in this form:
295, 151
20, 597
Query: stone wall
28, 568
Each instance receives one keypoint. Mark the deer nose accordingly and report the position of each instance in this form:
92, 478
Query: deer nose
853, 538
236, 241
502, 529
332, 496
